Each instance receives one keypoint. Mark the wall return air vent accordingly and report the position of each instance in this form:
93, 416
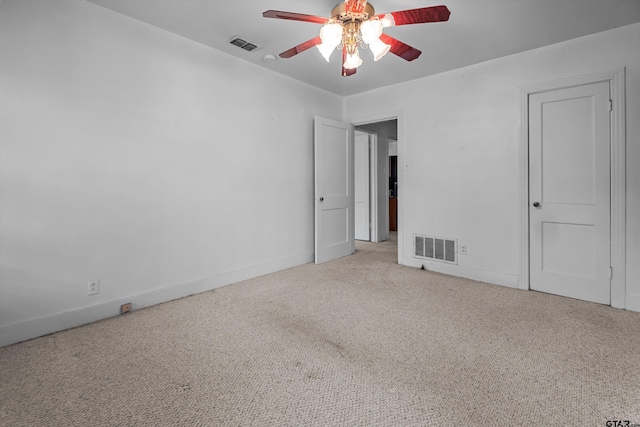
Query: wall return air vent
435, 248
243, 44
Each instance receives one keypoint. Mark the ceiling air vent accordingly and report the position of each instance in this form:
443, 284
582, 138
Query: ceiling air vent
241, 43
435, 248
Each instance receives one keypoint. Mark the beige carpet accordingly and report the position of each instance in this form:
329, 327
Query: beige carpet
356, 342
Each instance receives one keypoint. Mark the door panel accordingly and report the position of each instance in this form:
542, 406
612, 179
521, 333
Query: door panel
562, 249
569, 180
567, 138
334, 189
362, 181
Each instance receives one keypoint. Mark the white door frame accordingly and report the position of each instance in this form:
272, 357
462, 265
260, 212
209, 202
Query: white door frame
383, 117
373, 186
616, 79
378, 222
368, 179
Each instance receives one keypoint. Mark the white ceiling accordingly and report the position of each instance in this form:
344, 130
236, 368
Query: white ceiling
478, 30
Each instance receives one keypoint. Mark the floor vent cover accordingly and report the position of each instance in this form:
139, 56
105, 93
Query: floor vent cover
435, 248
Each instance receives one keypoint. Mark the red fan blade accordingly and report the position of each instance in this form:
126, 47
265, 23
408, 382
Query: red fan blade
346, 72
355, 6
403, 50
278, 14
420, 16
301, 47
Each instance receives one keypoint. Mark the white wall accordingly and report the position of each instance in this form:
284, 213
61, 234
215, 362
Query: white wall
461, 137
156, 164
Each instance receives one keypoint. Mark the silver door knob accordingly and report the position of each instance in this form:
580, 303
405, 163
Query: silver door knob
536, 204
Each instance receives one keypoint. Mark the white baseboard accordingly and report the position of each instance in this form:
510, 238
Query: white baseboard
632, 302
493, 277
33, 328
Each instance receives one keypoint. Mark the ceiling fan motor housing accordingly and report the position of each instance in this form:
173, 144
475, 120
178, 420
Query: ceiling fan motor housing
340, 13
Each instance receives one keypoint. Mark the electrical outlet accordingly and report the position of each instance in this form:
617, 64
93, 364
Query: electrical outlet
463, 249
93, 287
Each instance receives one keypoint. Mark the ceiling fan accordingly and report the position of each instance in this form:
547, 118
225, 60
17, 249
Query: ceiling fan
354, 23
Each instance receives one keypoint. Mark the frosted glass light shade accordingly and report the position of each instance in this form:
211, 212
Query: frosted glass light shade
352, 61
331, 33
326, 50
331, 36
379, 49
388, 20
370, 30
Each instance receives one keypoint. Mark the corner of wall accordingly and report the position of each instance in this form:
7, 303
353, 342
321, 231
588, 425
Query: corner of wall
632, 303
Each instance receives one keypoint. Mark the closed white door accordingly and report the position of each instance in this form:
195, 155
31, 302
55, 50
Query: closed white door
569, 192
334, 189
362, 181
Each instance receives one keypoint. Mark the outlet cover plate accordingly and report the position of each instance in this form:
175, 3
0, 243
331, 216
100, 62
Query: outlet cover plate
93, 287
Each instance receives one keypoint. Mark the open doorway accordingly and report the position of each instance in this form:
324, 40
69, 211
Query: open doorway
378, 149
393, 186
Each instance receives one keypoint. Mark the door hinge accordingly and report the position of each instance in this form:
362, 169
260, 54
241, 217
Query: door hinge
610, 105
610, 272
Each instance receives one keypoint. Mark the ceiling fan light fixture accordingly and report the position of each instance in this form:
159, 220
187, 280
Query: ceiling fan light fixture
326, 50
352, 61
388, 21
371, 30
379, 49
331, 36
353, 24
